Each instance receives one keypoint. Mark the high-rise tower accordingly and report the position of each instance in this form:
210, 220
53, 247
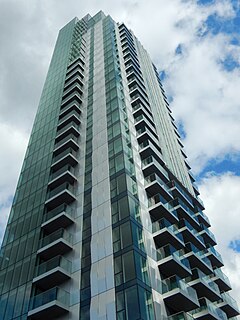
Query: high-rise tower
106, 221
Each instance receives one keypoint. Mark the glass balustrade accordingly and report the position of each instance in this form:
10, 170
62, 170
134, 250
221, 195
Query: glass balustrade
49, 296
62, 208
67, 138
58, 261
60, 233
62, 187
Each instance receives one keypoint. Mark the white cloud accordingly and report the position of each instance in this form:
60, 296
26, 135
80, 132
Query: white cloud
221, 198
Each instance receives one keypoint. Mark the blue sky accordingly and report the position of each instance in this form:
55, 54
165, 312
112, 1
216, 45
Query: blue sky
195, 45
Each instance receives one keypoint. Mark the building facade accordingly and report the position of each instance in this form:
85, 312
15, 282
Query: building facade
107, 222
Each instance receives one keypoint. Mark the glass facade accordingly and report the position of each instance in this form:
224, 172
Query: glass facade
106, 222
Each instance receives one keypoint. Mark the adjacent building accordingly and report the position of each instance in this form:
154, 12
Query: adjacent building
107, 222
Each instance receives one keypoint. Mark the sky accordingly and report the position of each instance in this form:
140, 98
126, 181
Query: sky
196, 48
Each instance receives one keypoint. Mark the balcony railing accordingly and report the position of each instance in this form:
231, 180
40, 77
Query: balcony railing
58, 261
67, 138
62, 187
207, 307
176, 292
170, 212
165, 233
55, 300
181, 265
180, 316
64, 153
62, 208
62, 170
61, 233
153, 177
200, 256
68, 126
60, 217
192, 233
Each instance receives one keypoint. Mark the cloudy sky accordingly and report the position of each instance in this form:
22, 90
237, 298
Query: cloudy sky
196, 47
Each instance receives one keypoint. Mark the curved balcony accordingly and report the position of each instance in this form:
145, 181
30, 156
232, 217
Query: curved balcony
160, 208
50, 304
57, 243
178, 295
60, 217
172, 261
166, 233
52, 272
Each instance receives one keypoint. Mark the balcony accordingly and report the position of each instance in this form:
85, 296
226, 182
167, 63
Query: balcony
76, 80
68, 156
172, 261
190, 234
166, 233
70, 141
145, 134
208, 236
52, 272
202, 218
50, 304
198, 259
139, 108
160, 208
60, 217
178, 191
178, 295
221, 280
214, 257
147, 148
76, 72
56, 243
180, 316
73, 97
228, 305
70, 108
204, 285
150, 166
74, 87
70, 116
70, 128
155, 185
62, 194
185, 212
64, 174
208, 311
